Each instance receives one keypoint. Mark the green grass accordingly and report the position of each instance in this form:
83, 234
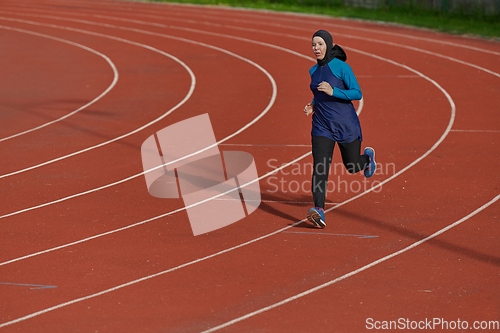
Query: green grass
465, 24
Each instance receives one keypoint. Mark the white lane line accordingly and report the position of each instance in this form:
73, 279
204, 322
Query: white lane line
272, 172
184, 100
294, 20
357, 271
360, 108
268, 107
283, 166
261, 145
309, 58
111, 86
268, 235
162, 216
425, 52
412, 48
452, 117
254, 14
271, 33
389, 76
158, 25
154, 275
441, 139
287, 35
476, 131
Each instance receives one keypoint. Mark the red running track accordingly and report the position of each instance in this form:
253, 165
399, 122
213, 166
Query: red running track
86, 248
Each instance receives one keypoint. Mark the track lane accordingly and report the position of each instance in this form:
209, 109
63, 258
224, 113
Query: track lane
7, 126
361, 319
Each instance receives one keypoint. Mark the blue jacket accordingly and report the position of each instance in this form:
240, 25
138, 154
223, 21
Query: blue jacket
334, 116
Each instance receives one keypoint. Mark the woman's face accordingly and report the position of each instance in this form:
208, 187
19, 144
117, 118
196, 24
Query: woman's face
319, 47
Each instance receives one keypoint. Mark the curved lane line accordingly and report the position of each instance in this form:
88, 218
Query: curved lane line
426, 52
160, 25
211, 198
452, 117
376, 41
248, 40
249, 15
376, 31
303, 156
111, 86
268, 107
331, 282
142, 31
300, 15
359, 270
191, 89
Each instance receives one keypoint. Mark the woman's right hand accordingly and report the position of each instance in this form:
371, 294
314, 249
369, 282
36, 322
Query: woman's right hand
309, 109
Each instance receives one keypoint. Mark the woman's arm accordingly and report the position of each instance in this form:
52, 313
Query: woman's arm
344, 72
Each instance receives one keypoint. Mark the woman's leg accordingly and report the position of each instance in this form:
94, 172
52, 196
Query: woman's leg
322, 150
353, 161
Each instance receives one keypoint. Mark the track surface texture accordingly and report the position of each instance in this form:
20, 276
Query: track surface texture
86, 248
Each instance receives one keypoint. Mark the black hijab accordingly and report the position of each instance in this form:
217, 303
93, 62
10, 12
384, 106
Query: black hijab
331, 50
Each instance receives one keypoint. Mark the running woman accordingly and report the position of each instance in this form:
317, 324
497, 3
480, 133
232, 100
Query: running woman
334, 120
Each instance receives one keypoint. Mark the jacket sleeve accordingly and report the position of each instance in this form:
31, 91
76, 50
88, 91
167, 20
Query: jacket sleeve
311, 72
352, 91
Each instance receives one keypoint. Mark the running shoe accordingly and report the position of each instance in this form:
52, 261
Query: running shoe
372, 166
317, 217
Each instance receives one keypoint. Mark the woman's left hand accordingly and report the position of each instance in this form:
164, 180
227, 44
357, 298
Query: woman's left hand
326, 88
308, 109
